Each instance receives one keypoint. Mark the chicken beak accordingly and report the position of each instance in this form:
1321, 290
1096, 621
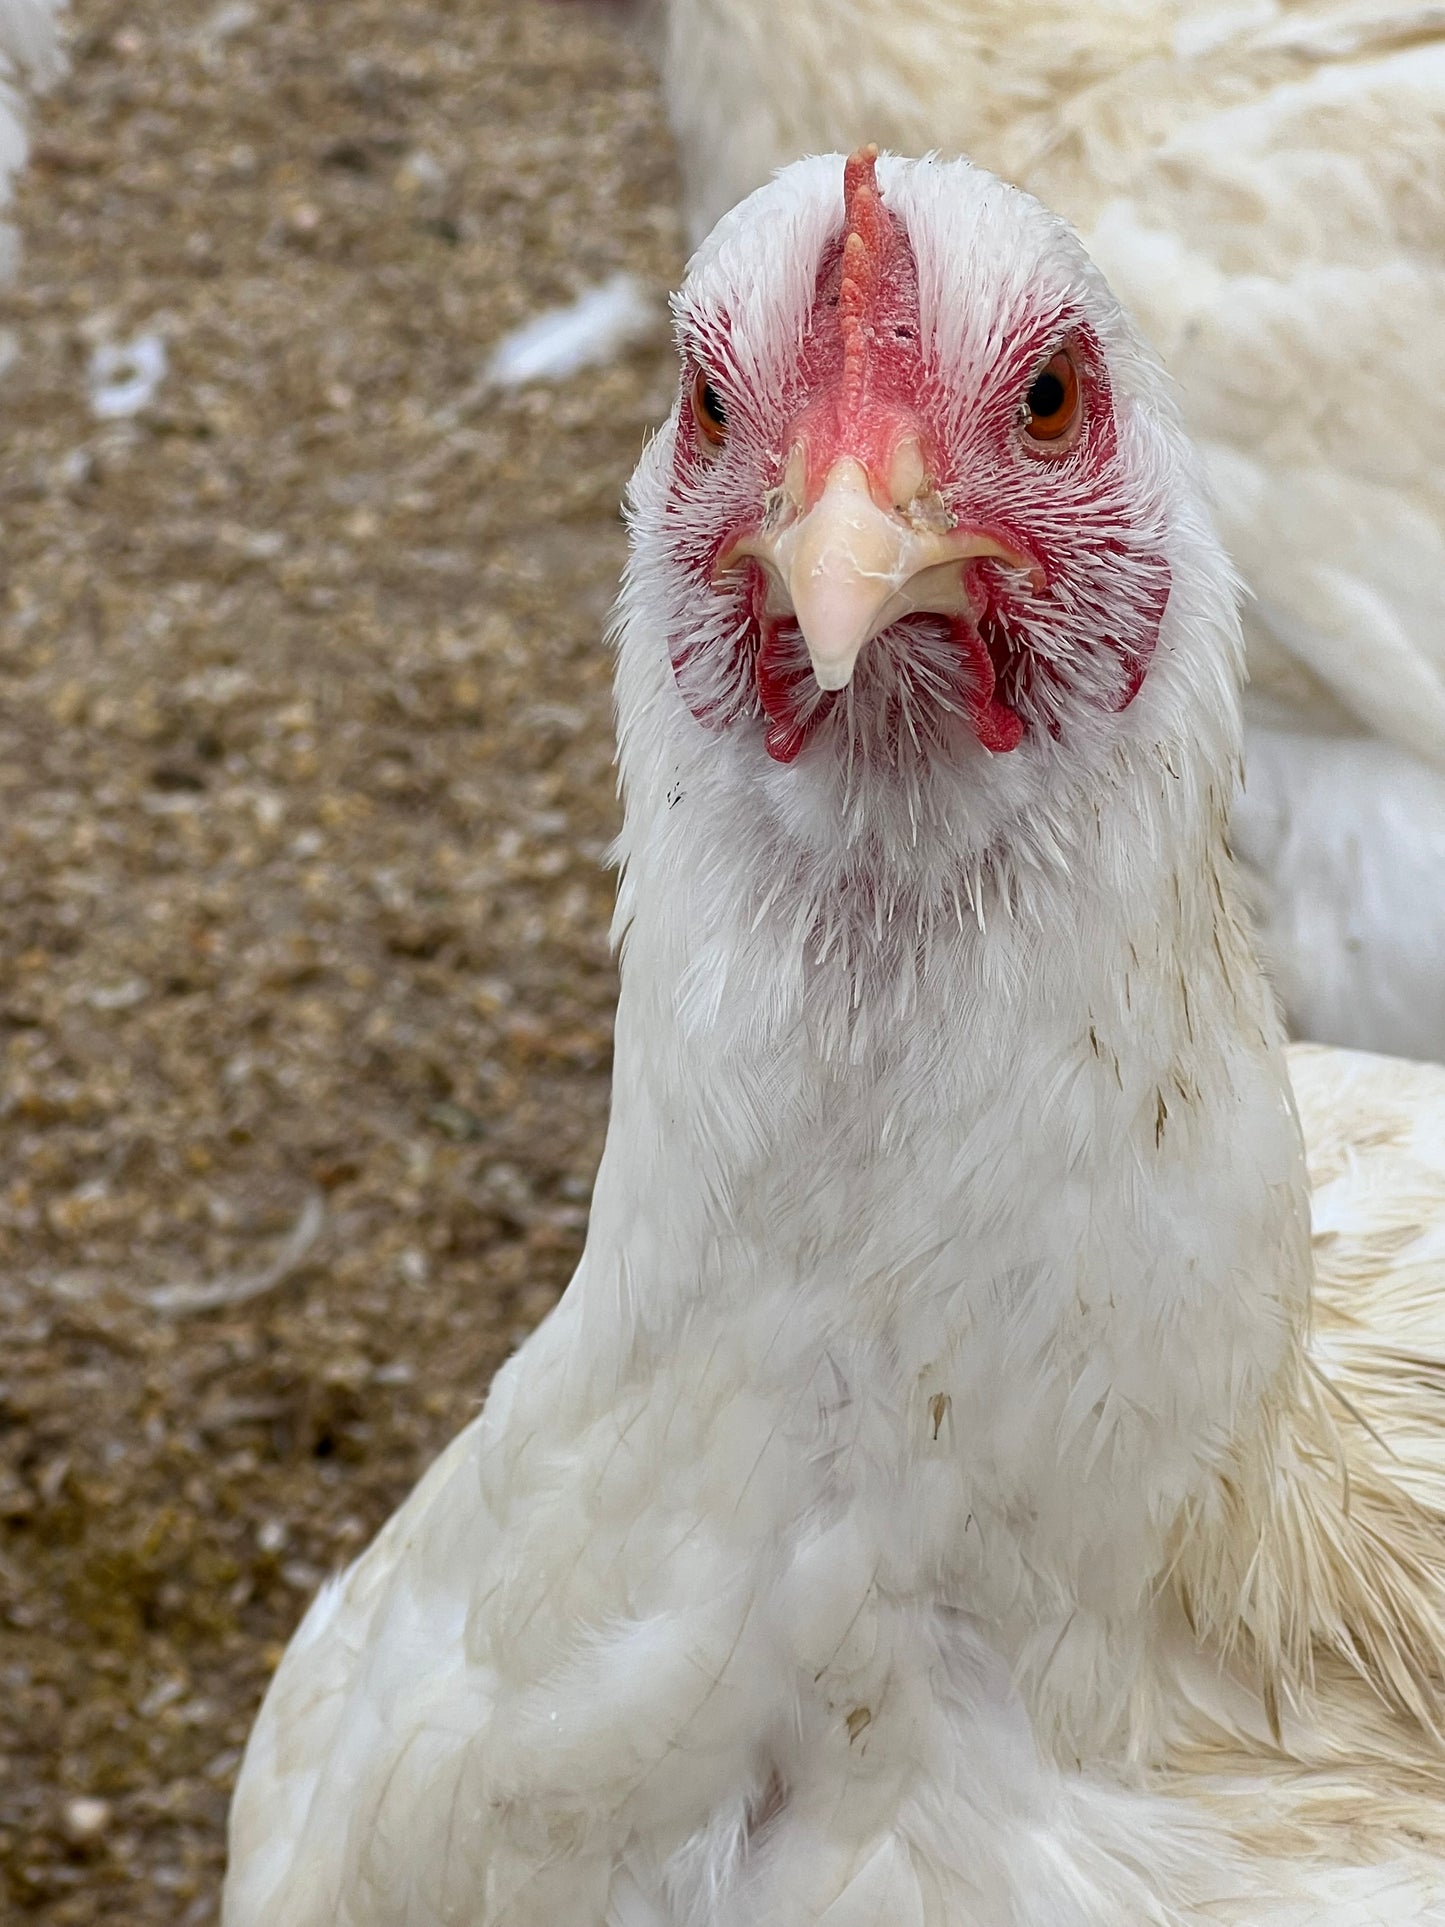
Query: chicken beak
847, 569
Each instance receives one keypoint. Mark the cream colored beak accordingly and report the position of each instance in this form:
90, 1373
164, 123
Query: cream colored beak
847, 568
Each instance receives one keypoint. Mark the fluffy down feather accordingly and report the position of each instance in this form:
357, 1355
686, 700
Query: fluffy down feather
1264, 186
934, 1500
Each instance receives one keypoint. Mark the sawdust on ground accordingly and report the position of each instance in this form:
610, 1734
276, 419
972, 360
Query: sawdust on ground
305, 788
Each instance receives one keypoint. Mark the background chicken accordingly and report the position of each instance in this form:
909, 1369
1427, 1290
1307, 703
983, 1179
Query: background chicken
1265, 187
930, 1417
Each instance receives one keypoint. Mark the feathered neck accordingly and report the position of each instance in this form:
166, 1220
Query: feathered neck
868, 889
908, 960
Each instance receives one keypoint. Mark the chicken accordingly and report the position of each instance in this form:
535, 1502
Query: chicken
1264, 185
944, 1496
28, 55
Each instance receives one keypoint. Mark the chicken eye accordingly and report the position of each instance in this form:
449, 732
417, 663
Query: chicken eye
1051, 406
708, 411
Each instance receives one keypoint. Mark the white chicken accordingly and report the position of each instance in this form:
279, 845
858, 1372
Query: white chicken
28, 54
1263, 182
942, 1497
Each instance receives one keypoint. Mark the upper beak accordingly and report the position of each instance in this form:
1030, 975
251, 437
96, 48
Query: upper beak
847, 568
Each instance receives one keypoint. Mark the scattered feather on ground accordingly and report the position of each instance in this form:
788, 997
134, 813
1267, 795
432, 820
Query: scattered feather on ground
587, 333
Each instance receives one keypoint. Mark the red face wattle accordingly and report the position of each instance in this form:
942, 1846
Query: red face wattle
974, 552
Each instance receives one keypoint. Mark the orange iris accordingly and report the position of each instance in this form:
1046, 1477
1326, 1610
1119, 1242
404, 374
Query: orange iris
708, 411
1052, 405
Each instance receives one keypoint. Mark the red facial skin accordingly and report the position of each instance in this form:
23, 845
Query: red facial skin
860, 388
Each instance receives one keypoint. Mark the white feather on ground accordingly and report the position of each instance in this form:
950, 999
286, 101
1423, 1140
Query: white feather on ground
585, 333
1352, 835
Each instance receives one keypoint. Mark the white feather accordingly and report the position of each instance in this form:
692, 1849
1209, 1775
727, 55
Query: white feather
125, 376
922, 1506
586, 333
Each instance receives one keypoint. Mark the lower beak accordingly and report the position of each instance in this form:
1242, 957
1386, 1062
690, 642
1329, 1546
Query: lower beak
848, 569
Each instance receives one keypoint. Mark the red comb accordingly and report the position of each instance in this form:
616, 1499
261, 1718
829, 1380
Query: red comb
866, 250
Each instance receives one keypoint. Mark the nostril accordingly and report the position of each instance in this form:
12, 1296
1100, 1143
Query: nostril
795, 478
906, 474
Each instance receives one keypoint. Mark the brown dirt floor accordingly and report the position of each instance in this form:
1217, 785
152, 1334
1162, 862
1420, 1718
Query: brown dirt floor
305, 756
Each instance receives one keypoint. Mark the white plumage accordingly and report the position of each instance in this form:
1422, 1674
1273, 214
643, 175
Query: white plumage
929, 1503
1352, 920
28, 55
1263, 184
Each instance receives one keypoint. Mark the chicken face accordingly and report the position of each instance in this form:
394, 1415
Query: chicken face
899, 497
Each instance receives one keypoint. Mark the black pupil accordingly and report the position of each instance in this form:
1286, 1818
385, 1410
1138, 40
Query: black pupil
711, 406
1046, 397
